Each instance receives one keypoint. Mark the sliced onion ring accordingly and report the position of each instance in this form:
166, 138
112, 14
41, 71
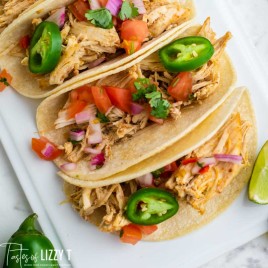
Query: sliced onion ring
236, 159
114, 6
58, 17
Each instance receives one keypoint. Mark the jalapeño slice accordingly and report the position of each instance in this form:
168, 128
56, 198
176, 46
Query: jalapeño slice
45, 48
149, 206
186, 54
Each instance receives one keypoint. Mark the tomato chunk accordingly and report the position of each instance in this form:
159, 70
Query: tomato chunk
120, 97
134, 30
39, 147
189, 160
79, 9
181, 87
147, 230
25, 41
75, 107
131, 46
204, 170
130, 234
101, 99
5, 79
83, 93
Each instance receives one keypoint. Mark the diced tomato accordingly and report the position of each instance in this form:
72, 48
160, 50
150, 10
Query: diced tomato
204, 170
38, 145
101, 99
134, 30
25, 41
131, 46
189, 160
103, 2
130, 85
171, 167
79, 9
181, 87
5, 79
130, 234
147, 230
84, 94
120, 97
76, 107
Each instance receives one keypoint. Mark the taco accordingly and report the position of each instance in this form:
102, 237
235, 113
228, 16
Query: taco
98, 130
84, 40
11, 9
209, 168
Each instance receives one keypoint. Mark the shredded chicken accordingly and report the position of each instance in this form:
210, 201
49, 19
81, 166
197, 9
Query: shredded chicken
112, 199
198, 189
163, 15
11, 9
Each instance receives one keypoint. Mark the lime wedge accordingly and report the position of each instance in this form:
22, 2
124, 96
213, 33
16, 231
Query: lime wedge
258, 186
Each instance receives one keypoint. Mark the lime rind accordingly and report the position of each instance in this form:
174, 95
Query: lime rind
258, 187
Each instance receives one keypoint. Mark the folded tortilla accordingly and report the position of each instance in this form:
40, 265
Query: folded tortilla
10, 10
188, 218
153, 138
32, 86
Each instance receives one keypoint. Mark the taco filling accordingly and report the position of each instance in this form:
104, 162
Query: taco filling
99, 115
11, 9
148, 200
83, 35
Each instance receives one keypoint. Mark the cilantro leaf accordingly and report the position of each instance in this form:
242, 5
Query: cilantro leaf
102, 117
128, 11
143, 86
158, 172
4, 81
101, 18
161, 108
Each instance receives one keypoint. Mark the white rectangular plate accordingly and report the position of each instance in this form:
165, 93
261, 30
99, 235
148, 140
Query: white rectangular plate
240, 223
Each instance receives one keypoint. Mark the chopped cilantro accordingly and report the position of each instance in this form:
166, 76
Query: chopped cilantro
102, 117
128, 11
158, 172
4, 81
143, 86
200, 164
147, 90
100, 17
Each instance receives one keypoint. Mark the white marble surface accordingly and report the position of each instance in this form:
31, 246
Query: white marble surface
253, 15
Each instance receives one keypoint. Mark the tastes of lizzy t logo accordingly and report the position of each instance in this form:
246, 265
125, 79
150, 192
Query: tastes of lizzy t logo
17, 256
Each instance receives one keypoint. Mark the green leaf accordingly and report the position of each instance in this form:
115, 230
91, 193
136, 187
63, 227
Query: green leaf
158, 172
143, 86
100, 17
128, 11
161, 108
4, 81
102, 117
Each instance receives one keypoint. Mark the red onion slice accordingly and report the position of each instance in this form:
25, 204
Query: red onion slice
196, 169
207, 161
236, 159
139, 5
97, 160
87, 114
77, 134
114, 6
146, 180
68, 166
58, 17
136, 108
48, 150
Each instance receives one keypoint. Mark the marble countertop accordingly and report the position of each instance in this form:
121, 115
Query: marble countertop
14, 207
